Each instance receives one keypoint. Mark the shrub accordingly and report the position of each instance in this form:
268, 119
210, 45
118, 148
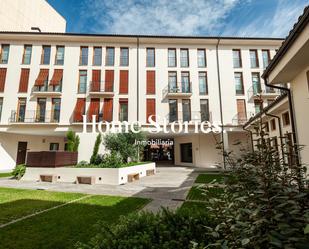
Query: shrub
94, 158
112, 160
19, 171
145, 230
82, 164
72, 141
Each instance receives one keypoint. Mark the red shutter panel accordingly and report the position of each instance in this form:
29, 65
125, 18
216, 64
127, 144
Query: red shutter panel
96, 80
151, 82
241, 110
57, 77
79, 110
108, 110
24, 80
94, 109
43, 75
109, 80
124, 81
150, 109
2, 78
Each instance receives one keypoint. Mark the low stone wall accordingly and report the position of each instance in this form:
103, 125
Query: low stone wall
111, 176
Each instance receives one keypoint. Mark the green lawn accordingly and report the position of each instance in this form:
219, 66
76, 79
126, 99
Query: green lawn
5, 174
58, 228
207, 178
199, 193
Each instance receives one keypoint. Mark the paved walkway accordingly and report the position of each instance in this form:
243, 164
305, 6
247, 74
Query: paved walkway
168, 188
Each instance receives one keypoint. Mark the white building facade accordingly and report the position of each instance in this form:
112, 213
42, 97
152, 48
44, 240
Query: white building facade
48, 81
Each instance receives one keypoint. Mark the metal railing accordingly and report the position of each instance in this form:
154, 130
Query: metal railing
256, 90
179, 87
49, 88
242, 118
35, 116
181, 116
100, 87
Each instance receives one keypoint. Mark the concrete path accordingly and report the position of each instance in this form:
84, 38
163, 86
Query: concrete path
168, 188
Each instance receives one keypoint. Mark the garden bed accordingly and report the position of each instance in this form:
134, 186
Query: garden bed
111, 176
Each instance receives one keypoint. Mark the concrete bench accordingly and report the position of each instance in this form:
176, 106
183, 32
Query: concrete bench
133, 177
48, 178
85, 180
150, 172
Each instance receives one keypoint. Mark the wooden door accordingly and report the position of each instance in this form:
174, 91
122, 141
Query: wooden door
21, 153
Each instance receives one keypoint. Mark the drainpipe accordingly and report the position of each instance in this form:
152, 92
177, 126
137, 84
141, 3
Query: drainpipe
137, 77
220, 101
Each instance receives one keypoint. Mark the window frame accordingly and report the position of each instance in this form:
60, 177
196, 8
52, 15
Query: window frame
82, 56
168, 57
204, 59
43, 55
1, 53
154, 57
24, 54
79, 81
239, 57
107, 57
286, 120
242, 83
268, 57
206, 82
188, 58
94, 56
120, 58
255, 51
56, 60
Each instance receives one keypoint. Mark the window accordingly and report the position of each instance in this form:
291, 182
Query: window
185, 82
97, 56
54, 146
123, 81
124, 57
186, 152
123, 110
266, 126
241, 111
254, 59
286, 118
202, 79
82, 84
4, 53
172, 82
204, 110
237, 63
239, 84
110, 56
150, 109
256, 83
41, 110
201, 58
24, 80
83, 57
56, 103
2, 79
45, 58
21, 110
257, 106
184, 57
186, 110
151, 82
59, 60
172, 59
1, 105
173, 114
266, 58
273, 124
151, 57
27, 54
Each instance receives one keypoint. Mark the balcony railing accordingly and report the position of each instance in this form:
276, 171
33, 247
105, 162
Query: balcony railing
100, 87
241, 118
189, 116
256, 91
47, 89
35, 116
178, 89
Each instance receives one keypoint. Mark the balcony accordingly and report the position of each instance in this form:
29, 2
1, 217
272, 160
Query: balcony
46, 91
100, 88
241, 118
32, 117
179, 90
195, 116
256, 92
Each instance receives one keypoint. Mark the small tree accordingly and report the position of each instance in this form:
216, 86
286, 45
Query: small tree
96, 147
72, 141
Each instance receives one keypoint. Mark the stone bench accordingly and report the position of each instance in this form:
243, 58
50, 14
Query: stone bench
85, 180
150, 172
133, 177
48, 178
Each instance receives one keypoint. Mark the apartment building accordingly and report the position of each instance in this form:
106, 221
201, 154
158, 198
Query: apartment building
49, 81
24, 15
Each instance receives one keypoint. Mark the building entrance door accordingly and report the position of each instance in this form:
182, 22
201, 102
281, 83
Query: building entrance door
21, 153
160, 150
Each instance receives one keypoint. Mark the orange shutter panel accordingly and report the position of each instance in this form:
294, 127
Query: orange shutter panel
241, 109
96, 80
43, 76
151, 82
124, 81
94, 109
150, 109
79, 110
57, 77
108, 110
109, 80
2, 78
24, 80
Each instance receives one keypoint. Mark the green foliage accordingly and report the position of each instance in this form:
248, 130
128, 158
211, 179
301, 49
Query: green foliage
94, 158
125, 144
19, 171
112, 160
72, 141
162, 230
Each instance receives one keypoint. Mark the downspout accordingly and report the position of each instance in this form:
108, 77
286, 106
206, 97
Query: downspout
220, 102
137, 78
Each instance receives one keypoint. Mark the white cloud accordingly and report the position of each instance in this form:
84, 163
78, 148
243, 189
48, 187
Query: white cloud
174, 17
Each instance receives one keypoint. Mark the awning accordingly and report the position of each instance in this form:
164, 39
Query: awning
57, 77
42, 77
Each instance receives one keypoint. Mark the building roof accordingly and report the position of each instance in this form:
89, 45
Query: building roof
301, 23
267, 108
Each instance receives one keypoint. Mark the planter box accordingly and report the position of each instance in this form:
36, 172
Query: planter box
111, 176
51, 159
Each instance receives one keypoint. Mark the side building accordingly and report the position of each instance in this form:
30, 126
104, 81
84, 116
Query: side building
48, 81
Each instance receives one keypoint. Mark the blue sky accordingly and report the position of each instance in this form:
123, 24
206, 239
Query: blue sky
252, 18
